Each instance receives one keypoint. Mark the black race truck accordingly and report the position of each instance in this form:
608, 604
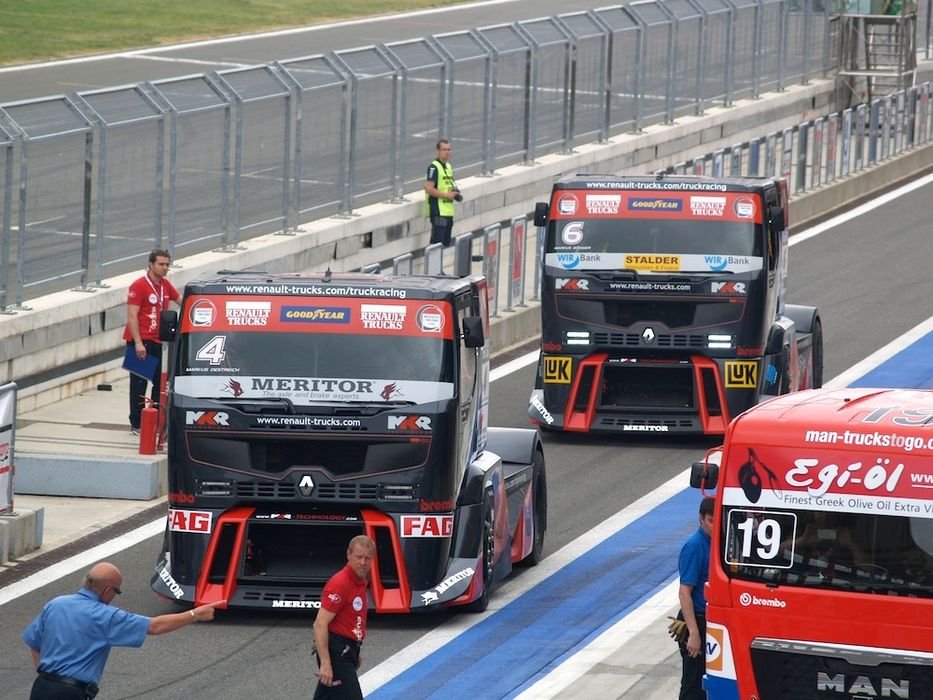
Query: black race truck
305, 410
663, 304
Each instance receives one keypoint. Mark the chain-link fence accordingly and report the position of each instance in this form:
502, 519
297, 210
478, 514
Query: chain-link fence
89, 183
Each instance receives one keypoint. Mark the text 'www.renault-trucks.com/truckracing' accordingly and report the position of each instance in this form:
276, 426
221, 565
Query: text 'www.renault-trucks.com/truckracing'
662, 304
305, 410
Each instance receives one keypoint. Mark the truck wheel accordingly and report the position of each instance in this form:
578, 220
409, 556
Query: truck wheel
816, 354
539, 484
489, 550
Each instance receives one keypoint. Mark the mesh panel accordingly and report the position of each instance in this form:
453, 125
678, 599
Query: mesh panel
56, 228
321, 132
199, 204
588, 69
657, 60
622, 69
132, 211
198, 153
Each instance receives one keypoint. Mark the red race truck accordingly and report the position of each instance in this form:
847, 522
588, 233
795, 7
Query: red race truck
821, 569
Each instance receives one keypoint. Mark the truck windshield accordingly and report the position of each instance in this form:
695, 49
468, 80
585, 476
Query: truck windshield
861, 552
643, 236
317, 355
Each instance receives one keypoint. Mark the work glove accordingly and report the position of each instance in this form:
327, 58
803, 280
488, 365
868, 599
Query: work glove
678, 630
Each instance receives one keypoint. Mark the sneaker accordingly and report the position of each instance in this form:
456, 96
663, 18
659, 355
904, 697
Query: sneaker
134, 431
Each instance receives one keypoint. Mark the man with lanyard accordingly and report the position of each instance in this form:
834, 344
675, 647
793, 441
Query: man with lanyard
693, 565
340, 625
71, 638
441, 192
146, 298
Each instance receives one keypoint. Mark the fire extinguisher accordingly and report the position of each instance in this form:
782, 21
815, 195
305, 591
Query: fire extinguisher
148, 428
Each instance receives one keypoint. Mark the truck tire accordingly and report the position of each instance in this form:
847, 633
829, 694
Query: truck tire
489, 551
539, 484
816, 354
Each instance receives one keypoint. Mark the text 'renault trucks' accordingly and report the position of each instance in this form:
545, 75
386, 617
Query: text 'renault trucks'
663, 304
821, 567
304, 410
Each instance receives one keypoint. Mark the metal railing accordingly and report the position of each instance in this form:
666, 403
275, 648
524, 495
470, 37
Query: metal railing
89, 183
822, 150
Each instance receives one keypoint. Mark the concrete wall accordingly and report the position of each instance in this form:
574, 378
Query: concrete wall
43, 349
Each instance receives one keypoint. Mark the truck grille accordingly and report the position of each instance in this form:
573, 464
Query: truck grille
798, 671
634, 340
265, 489
276, 490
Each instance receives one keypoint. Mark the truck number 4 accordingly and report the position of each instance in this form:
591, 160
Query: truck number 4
213, 350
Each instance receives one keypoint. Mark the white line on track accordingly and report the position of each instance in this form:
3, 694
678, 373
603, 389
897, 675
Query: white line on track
169, 59
80, 561
856, 212
513, 588
882, 355
243, 37
623, 631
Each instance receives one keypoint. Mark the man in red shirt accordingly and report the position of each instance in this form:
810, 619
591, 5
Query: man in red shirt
146, 298
340, 625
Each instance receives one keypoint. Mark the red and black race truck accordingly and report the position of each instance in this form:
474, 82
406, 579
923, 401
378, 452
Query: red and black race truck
662, 304
305, 410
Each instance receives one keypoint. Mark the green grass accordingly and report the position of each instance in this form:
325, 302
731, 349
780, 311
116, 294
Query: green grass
37, 30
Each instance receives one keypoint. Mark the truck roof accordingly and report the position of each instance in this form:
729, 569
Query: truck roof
363, 285
786, 419
663, 181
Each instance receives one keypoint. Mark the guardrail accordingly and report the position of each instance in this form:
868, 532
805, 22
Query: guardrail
89, 183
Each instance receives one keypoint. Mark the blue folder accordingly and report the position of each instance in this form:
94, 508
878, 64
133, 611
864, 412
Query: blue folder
145, 367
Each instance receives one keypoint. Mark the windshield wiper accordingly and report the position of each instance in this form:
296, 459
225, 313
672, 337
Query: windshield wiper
281, 400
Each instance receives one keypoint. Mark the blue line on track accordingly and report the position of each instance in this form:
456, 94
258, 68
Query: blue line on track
910, 368
533, 634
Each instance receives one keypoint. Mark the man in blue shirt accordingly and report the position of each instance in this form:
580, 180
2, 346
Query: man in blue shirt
71, 638
693, 565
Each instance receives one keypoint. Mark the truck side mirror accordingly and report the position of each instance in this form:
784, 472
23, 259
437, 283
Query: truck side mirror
704, 475
541, 214
473, 332
168, 325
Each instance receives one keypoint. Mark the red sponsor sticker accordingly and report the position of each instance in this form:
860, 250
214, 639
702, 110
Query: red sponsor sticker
199, 521
292, 314
427, 525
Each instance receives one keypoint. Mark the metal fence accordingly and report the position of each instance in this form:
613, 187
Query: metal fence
824, 149
90, 182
